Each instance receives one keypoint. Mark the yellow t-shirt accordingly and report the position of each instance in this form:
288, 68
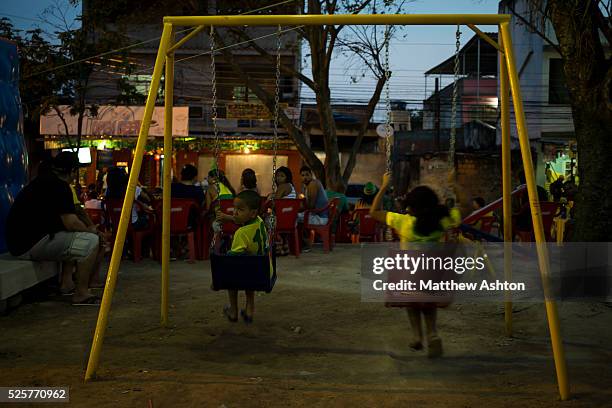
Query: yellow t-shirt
455, 217
75, 199
250, 239
404, 224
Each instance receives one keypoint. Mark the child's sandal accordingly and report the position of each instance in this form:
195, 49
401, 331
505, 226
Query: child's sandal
247, 319
434, 347
416, 345
227, 312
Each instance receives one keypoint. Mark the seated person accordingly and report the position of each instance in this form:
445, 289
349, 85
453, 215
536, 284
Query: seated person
186, 188
477, 204
284, 183
42, 225
250, 239
93, 202
365, 202
334, 192
248, 181
117, 182
219, 188
521, 211
315, 199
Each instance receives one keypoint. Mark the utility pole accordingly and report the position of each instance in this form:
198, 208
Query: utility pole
437, 115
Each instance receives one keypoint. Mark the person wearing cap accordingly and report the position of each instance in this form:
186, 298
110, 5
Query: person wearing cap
365, 202
42, 225
369, 192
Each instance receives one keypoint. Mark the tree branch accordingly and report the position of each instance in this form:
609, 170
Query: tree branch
533, 27
602, 22
284, 68
350, 165
268, 100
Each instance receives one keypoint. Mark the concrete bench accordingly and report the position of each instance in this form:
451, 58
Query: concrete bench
17, 275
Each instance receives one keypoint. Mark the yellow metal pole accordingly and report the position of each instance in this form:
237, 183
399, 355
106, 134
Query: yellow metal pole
186, 38
168, 102
485, 37
111, 279
536, 216
339, 19
506, 181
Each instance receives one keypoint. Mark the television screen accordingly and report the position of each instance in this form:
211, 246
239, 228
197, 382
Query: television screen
84, 154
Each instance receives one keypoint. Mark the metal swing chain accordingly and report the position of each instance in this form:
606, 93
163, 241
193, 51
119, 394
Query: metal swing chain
453, 119
388, 103
214, 101
272, 218
214, 114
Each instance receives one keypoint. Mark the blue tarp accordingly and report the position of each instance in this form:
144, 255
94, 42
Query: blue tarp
13, 154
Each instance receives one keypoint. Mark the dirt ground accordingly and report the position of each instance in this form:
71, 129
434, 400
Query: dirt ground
313, 343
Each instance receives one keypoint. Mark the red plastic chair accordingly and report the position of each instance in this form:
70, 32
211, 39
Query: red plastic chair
286, 212
486, 224
180, 210
343, 232
227, 206
369, 228
324, 231
113, 211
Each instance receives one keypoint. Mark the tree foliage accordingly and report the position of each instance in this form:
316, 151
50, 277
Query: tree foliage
56, 68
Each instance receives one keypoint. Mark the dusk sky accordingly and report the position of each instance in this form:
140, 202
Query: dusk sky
423, 47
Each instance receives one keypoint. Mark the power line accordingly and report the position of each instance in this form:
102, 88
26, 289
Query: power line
140, 43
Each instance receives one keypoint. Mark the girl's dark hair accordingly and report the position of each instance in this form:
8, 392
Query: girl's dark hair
222, 179
426, 207
249, 179
116, 182
286, 172
480, 201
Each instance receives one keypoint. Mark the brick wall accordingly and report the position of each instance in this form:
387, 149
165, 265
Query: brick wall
477, 175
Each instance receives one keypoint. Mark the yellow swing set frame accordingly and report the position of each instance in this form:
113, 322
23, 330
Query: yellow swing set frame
509, 81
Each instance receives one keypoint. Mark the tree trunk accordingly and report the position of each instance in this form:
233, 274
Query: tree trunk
588, 75
267, 99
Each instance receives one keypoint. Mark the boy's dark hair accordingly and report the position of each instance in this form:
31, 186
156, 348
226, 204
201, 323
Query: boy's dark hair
305, 168
286, 172
250, 198
188, 172
427, 209
249, 179
480, 201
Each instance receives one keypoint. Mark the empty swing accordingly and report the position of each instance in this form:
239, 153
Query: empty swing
246, 272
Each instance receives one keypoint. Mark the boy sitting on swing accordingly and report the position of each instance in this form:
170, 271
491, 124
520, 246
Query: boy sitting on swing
250, 239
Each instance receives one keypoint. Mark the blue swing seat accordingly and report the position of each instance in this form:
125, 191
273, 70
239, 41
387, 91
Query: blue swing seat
243, 272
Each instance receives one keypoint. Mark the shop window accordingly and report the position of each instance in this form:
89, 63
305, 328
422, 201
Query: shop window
557, 90
243, 94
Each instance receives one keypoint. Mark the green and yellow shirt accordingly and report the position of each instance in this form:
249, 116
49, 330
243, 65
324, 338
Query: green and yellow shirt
250, 239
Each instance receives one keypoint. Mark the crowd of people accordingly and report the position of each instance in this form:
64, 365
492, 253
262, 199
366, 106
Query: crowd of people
60, 230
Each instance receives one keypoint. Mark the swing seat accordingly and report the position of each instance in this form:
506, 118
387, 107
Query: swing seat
243, 272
